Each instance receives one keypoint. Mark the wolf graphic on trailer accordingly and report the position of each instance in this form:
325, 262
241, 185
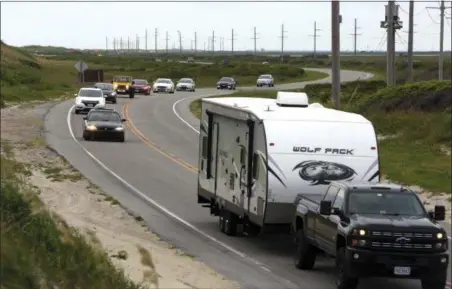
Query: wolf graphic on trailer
257, 154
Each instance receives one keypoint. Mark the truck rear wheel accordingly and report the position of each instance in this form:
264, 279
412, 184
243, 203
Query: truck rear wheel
305, 254
343, 281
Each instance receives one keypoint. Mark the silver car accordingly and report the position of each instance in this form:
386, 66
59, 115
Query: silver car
265, 80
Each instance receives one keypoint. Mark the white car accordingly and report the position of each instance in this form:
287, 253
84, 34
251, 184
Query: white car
89, 98
185, 84
265, 79
163, 85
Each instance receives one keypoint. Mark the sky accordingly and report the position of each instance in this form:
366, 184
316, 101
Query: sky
86, 25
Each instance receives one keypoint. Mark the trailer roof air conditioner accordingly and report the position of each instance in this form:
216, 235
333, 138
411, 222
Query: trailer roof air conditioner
292, 99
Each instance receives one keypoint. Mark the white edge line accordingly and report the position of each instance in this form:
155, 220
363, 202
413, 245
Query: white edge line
197, 131
154, 203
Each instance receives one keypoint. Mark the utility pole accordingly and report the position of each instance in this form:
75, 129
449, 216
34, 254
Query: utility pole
128, 44
355, 36
335, 53
255, 42
232, 41
391, 24
180, 42
410, 41
146, 39
121, 43
155, 39
196, 42
442, 9
213, 42
315, 36
137, 43
166, 46
106, 43
283, 36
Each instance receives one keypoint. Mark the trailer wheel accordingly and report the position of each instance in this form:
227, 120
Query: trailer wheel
221, 221
228, 223
305, 254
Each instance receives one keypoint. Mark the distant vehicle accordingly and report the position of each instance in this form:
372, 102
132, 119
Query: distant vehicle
141, 86
226, 83
265, 79
121, 84
163, 85
185, 84
103, 124
190, 59
265, 62
88, 98
108, 91
282, 147
366, 227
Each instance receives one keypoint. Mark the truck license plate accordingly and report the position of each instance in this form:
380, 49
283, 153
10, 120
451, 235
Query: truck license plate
402, 271
90, 105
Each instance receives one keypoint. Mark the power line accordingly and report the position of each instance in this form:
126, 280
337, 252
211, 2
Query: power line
196, 42
315, 36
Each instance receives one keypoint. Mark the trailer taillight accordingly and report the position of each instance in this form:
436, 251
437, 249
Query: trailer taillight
373, 148
272, 144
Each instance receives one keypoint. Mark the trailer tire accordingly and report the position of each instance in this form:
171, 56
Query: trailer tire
228, 223
305, 254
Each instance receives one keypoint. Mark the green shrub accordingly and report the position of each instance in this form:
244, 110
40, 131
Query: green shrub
425, 96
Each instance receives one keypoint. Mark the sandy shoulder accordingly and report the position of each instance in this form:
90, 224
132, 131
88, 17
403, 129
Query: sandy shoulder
131, 246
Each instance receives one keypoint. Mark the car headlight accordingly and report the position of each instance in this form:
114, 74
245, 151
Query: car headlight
440, 235
359, 232
115, 86
91, 127
119, 128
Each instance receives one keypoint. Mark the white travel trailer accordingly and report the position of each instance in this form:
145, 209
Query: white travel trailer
257, 154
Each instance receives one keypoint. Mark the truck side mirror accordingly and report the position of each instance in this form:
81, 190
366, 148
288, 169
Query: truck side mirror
440, 213
325, 208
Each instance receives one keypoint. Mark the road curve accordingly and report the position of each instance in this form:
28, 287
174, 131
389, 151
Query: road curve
154, 174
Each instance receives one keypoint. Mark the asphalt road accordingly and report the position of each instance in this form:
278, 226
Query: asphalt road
154, 173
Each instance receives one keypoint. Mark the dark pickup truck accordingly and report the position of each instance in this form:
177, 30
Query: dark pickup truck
372, 230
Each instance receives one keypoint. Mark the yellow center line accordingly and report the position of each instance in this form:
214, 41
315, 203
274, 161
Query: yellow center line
153, 145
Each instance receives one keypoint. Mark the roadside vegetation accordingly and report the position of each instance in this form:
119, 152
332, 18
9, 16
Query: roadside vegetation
38, 248
413, 120
26, 76
205, 75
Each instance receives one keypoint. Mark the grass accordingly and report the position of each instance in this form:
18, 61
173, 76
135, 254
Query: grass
39, 250
418, 113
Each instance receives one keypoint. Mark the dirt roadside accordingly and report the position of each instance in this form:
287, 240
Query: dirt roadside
130, 245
